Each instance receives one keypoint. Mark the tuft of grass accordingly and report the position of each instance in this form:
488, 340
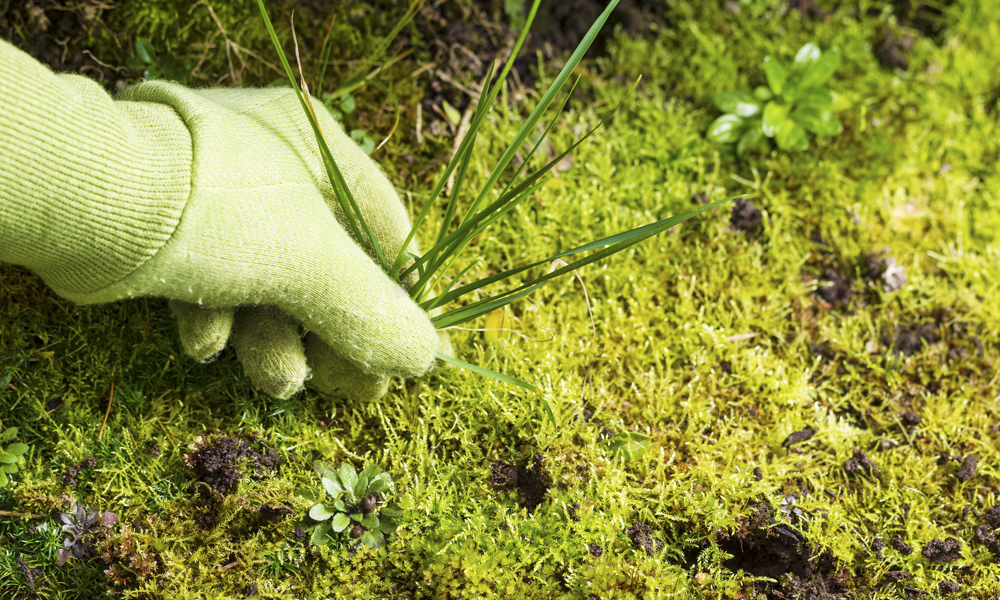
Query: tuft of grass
433, 264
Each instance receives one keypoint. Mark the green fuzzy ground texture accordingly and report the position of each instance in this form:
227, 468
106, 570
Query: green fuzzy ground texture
714, 343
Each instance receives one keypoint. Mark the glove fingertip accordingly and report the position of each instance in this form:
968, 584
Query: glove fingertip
204, 332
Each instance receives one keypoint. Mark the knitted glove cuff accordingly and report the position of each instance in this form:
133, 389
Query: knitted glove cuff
89, 188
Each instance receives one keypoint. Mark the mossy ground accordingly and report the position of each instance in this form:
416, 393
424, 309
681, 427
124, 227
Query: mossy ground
712, 342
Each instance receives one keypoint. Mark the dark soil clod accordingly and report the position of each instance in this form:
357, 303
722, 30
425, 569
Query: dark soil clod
895, 576
835, 289
531, 480
878, 546
911, 339
70, 477
909, 418
947, 550
891, 52
573, 516
274, 512
596, 550
217, 463
901, 546
948, 587
798, 436
784, 555
860, 464
745, 216
968, 469
641, 537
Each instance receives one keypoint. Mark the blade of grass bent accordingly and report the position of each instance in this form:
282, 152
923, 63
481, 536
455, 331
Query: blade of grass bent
341, 191
609, 246
486, 372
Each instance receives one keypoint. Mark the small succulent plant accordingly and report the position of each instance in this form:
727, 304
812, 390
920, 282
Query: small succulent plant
84, 528
794, 102
354, 507
10, 455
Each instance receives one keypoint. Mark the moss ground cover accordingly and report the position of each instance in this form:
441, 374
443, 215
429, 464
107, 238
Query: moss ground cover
818, 427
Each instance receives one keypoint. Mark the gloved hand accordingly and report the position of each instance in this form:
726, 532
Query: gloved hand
217, 200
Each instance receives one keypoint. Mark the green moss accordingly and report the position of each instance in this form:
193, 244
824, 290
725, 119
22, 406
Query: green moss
713, 343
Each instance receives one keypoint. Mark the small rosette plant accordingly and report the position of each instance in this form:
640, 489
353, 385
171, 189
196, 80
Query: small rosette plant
354, 507
793, 104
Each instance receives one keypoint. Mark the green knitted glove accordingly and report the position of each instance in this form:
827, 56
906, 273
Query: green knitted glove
217, 200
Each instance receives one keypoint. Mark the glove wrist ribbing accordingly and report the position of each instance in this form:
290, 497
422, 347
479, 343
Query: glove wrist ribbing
86, 194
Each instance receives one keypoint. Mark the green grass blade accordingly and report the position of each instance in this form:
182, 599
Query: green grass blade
544, 136
542, 106
460, 172
324, 57
605, 247
432, 304
448, 256
485, 102
464, 148
342, 192
486, 372
466, 232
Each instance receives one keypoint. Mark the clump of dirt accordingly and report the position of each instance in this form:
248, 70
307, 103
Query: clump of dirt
986, 532
73, 471
860, 464
835, 289
969, 468
926, 17
221, 462
878, 546
895, 576
947, 550
948, 587
780, 553
901, 546
891, 51
798, 436
275, 512
531, 480
463, 39
642, 538
595, 549
911, 339
559, 26
910, 419
745, 217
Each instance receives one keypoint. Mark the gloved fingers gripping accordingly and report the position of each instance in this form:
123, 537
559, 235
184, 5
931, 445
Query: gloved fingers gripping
340, 294
269, 346
336, 377
204, 331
